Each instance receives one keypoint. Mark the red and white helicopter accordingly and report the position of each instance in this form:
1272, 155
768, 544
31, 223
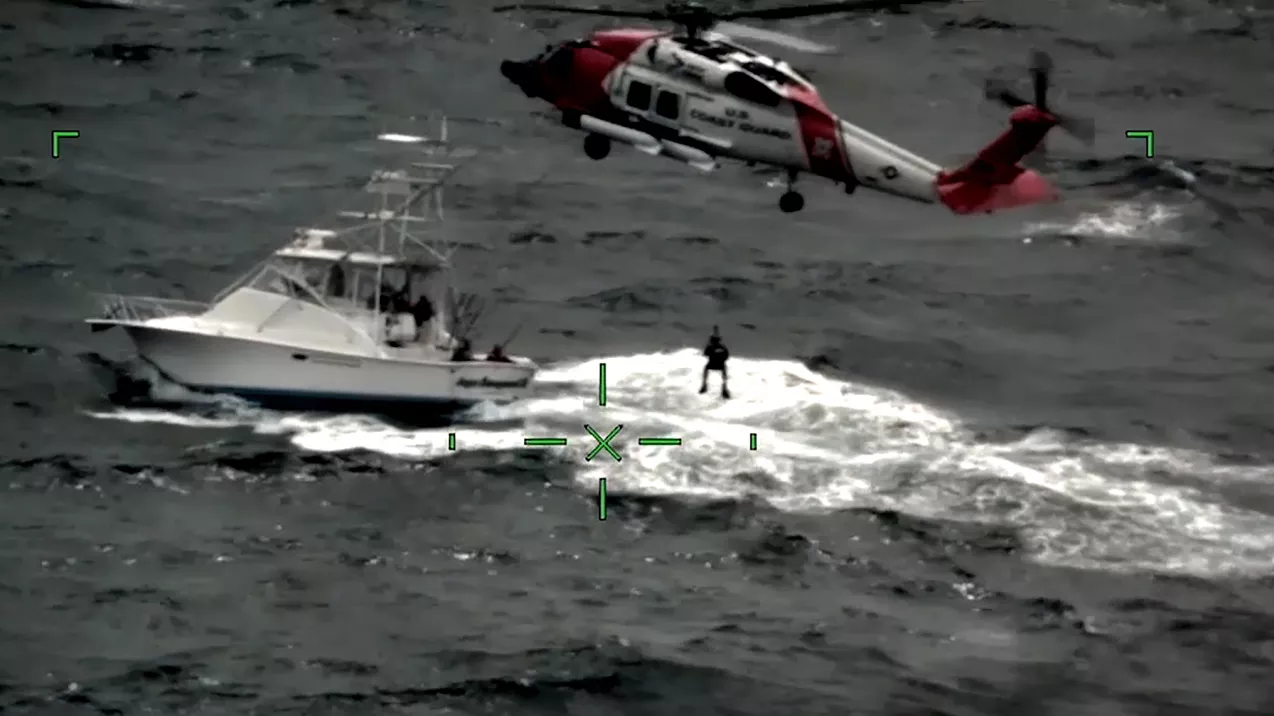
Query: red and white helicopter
697, 96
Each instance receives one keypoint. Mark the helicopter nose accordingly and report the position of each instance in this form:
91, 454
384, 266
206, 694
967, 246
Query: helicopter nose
520, 74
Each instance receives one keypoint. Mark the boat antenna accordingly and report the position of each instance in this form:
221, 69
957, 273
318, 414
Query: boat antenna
466, 309
513, 334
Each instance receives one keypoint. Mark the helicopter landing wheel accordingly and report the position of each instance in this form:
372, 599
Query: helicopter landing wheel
791, 201
596, 146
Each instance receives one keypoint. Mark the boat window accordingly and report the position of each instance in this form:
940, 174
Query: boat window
639, 95
419, 283
393, 291
294, 279
292, 285
668, 105
364, 292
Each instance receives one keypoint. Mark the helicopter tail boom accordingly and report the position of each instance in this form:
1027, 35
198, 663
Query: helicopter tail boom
994, 180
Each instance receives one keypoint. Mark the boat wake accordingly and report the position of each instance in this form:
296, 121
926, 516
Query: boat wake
824, 444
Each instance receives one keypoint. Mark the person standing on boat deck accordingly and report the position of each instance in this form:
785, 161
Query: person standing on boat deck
463, 351
336, 281
717, 355
497, 355
422, 310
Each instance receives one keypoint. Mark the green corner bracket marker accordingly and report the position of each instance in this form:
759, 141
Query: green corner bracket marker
1147, 135
58, 136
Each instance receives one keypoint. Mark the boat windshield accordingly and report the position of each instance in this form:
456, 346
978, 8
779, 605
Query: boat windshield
300, 280
347, 285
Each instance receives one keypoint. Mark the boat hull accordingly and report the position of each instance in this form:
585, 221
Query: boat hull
299, 378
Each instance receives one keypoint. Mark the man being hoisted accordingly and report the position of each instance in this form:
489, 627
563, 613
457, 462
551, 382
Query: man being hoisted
717, 354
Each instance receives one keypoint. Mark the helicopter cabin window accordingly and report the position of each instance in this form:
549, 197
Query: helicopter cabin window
668, 105
639, 95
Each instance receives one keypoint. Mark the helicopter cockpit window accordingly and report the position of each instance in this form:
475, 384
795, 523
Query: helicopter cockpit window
668, 105
639, 95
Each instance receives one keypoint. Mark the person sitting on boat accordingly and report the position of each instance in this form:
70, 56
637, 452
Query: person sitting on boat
422, 310
497, 355
463, 351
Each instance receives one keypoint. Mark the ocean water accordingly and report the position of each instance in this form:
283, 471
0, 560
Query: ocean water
1002, 464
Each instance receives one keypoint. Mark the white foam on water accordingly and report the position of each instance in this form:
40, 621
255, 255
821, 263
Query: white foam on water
1124, 221
826, 444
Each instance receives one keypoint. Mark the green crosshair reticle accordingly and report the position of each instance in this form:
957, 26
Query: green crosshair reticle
604, 445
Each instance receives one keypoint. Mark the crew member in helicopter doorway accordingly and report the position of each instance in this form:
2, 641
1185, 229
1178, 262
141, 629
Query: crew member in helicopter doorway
717, 355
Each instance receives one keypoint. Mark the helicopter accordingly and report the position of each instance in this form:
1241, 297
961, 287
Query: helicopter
697, 96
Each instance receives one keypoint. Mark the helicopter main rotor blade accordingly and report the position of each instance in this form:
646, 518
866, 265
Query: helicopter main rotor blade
825, 8
800, 44
1000, 92
1041, 77
605, 12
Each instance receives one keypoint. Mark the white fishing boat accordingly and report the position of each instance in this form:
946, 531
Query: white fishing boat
357, 319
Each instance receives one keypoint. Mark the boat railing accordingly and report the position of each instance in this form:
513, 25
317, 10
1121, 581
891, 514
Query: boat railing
142, 308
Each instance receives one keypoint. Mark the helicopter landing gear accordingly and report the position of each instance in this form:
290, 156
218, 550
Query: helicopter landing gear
791, 201
596, 146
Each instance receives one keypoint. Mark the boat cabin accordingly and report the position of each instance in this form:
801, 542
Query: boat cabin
396, 297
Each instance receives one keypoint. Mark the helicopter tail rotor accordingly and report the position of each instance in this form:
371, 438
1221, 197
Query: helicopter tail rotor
1082, 128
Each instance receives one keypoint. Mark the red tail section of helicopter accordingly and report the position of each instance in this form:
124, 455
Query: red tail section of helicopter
994, 180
